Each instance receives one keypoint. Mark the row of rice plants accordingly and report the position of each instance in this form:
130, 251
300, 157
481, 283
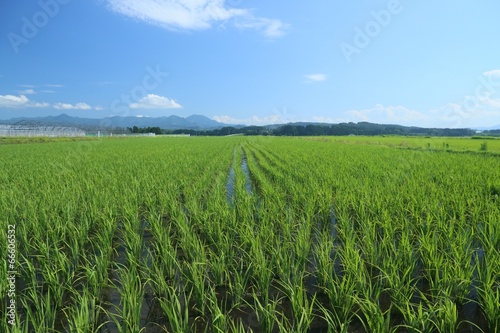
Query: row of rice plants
384, 202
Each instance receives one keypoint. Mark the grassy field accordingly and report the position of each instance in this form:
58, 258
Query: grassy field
251, 234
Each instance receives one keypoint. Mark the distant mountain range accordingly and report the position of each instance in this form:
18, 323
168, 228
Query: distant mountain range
195, 122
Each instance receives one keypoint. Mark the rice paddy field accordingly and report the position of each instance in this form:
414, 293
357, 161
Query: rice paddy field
250, 234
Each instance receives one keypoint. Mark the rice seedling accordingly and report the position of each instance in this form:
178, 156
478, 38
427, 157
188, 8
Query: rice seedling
373, 318
417, 319
266, 313
302, 307
174, 306
489, 289
84, 315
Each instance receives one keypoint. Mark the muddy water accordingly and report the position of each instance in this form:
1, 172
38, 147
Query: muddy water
230, 195
230, 191
244, 167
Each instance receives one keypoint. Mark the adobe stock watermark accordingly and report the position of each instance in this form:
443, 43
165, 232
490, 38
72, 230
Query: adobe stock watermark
31, 26
489, 84
11, 274
372, 29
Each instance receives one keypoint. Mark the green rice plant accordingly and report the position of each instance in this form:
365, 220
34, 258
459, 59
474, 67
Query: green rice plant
302, 247
489, 300
401, 284
302, 306
174, 306
97, 263
417, 319
445, 318
488, 289
162, 250
237, 326
262, 274
354, 268
433, 260
196, 283
266, 313
41, 311
219, 319
218, 266
340, 289
238, 285
283, 261
373, 318
341, 294
84, 313
131, 290
325, 264
335, 324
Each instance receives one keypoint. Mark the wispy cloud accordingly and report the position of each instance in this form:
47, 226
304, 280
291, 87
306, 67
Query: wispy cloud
67, 106
27, 92
271, 28
315, 77
152, 101
390, 115
455, 115
54, 85
195, 15
493, 73
254, 120
23, 102
19, 102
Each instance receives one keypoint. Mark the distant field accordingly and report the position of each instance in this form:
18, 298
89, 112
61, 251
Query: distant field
251, 234
474, 144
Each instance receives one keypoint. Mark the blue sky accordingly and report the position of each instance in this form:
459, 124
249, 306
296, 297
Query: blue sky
258, 62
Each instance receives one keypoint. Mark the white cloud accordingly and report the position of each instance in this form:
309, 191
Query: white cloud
478, 110
494, 73
21, 101
27, 92
195, 15
271, 28
254, 120
486, 110
457, 115
315, 77
13, 101
77, 106
54, 85
390, 115
152, 101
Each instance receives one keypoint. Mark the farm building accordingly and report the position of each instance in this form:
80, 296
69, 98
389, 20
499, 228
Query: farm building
28, 128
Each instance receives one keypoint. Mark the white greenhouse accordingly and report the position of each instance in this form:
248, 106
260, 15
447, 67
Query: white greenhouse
25, 128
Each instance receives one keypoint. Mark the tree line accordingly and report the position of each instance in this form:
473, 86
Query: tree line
342, 129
